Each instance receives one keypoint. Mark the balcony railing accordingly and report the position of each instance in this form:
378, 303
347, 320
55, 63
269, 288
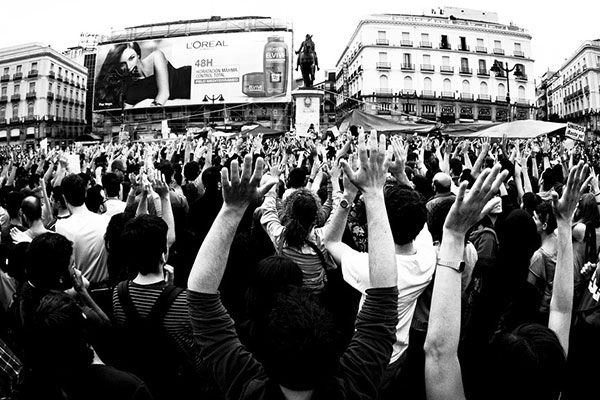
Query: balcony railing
498, 51
383, 92
427, 67
483, 72
58, 97
484, 97
522, 77
382, 42
31, 95
384, 65
5, 78
17, 76
51, 75
465, 71
466, 96
501, 99
464, 48
384, 112
428, 93
3, 99
33, 73
481, 49
426, 45
445, 46
406, 43
15, 97
59, 77
522, 101
407, 67
519, 53
447, 95
15, 120
409, 92
446, 69
50, 95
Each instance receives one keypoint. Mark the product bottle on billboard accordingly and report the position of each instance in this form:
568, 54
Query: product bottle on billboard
275, 66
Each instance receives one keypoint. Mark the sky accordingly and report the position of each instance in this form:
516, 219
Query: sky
557, 31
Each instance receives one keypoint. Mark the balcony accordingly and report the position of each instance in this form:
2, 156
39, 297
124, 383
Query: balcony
522, 77
427, 68
71, 100
407, 67
464, 48
15, 97
5, 78
59, 77
484, 97
481, 49
15, 120
33, 73
426, 45
384, 112
519, 53
446, 69
3, 99
408, 93
586, 89
465, 71
382, 42
386, 92
406, 43
466, 96
522, 102
384, 65
31, 95
498, 51
483, 72
30, 118
17, 76
58, 97
445, 46
447, 95
501, 99
428, 94
50, 95
51, 75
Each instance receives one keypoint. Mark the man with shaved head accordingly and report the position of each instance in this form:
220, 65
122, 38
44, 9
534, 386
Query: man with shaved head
31, 209
442, 199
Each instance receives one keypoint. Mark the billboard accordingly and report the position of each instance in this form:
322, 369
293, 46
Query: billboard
242, 67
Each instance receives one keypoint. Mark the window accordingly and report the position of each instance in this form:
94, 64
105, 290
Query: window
466, 86
51, 66
30, 110
57, 112
482, 66
17, 89
50, 108
521, 92
464, 64
405, 36
34, 65
383, 82
501, 90
6, 71
382, 57
480, 43
497, 44
425, 37
447, 85
59, 70
427, 84
445, 60
19, 68
50, 86
444, 44
521, 68
2, 113
381, 35
408, 83
483, 88
426, 59
32, 86
517, 46
407, 58
15, 111
463, 43
4, 90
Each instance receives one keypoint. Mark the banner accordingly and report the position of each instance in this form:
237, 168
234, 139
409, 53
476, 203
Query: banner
575, 132
241, 67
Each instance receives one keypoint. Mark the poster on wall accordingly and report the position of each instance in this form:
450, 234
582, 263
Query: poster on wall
241, 67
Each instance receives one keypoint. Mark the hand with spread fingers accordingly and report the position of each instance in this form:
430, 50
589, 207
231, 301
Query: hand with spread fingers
239, 190
564, 208
373, 164
471, 207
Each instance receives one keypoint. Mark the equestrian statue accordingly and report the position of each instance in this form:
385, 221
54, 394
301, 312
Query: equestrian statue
307, 61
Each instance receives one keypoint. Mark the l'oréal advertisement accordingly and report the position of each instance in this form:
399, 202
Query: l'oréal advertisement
240, 67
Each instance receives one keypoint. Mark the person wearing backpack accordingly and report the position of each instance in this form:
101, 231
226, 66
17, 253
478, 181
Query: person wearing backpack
153, 331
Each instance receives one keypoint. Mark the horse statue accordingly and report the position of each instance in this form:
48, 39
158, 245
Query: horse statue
307, 61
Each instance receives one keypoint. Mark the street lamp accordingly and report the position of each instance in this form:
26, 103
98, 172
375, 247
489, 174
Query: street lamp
498, 68
212, 99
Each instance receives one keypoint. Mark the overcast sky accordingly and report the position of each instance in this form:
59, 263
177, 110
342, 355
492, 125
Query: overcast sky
557, 30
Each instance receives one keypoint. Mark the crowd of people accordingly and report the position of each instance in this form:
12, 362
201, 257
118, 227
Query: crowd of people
358, 266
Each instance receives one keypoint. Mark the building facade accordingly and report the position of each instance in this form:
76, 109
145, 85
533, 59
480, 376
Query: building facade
42, 95
328, 111
438, 67
574, 90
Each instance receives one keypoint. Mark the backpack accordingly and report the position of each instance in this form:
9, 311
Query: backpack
146, 349
588, 312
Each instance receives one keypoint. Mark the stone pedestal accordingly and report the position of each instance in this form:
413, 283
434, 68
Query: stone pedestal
308, 110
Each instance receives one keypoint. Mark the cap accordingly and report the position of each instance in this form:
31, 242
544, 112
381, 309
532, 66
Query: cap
118, 165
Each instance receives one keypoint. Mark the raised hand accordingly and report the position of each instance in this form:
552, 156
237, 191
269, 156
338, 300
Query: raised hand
564, 208
471, 207
159, 184
239, 190
373, 166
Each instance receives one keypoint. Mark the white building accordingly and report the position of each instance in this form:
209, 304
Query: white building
437, 66
42, 94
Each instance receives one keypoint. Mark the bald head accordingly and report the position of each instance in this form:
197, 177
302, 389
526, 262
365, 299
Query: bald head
442, 182
31, 208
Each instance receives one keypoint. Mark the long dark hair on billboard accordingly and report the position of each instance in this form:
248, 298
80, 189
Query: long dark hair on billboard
126, 75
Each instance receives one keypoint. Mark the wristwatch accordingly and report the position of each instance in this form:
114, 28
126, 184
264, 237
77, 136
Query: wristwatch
458, 266
344, 203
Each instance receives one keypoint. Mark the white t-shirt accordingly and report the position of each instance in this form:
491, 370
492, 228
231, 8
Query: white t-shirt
86, 230
114, 207
414, 274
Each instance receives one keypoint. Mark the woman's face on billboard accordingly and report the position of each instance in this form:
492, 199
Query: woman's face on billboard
130, 57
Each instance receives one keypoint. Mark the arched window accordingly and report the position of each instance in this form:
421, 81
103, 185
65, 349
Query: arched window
30, 109
427, 84
447, 85
383, 81
483, 88
521, 91
15, 111
466, 86
408, 83
501, 89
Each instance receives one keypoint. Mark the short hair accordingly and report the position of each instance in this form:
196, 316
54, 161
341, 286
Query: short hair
94, 198
31, 206
191, 170
530, 202
211, 178
166, 168
73, 188
49, 261
145, 238
111, 184
456, 166
406, 212
531, 358
297, 177
549, 179
546, 215
14, 200
298, 344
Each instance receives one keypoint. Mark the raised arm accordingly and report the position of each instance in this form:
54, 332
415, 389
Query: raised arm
162, 189
443, 377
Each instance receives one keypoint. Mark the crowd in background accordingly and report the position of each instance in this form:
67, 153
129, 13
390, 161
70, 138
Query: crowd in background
356, 266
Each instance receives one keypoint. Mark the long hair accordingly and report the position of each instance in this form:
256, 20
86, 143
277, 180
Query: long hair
109, 89
300, 213
587, 213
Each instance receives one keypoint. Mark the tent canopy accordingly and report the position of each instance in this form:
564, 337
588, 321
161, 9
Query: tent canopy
87, 137
522, 129
384, 125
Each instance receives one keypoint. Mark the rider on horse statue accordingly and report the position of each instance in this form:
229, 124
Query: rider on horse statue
308, 46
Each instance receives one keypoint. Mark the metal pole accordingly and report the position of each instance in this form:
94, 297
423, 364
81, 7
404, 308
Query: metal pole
508, 91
